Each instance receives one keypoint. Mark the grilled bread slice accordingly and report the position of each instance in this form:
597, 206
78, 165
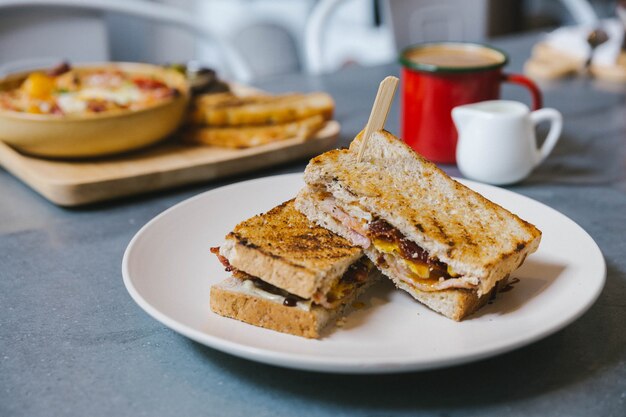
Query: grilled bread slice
231, 298
454, 303
289, 274
227, 109
283, 248
445, 244
246, 137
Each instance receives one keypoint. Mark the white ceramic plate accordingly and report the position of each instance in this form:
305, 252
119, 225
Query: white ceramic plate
168, 271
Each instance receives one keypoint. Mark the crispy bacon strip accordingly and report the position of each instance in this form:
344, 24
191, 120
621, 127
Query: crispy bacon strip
223, 260
409, 249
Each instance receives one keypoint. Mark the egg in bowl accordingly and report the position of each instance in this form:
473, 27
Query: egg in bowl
91, 110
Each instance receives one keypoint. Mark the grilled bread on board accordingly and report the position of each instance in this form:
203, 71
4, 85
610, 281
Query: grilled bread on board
249, 136
228, 109
232, 121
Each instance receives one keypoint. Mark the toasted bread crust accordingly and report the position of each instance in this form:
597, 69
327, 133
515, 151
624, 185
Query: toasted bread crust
285, 249
456, 304
227, 109
228, 302
458, 226
249, 136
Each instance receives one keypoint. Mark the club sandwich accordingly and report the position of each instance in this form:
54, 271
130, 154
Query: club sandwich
288, 274
446, 245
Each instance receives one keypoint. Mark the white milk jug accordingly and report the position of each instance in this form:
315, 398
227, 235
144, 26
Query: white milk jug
497, 142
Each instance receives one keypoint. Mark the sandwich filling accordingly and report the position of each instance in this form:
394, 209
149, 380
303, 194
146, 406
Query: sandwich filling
395, 252
355, 276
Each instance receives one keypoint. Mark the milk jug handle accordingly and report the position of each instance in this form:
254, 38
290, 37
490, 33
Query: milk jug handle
556, 125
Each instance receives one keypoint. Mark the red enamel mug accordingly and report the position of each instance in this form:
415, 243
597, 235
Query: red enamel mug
436, 77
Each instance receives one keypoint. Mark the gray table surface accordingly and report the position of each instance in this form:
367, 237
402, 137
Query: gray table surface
73, 343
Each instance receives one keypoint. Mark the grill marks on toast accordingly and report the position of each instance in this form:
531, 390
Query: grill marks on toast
286, 234
478, 240
422, 201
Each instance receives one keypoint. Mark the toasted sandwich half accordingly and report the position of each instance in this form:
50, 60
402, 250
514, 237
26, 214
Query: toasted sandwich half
446, 245
289, 274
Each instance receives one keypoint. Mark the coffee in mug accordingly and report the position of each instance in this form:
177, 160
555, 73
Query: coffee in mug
436, 77
454, 56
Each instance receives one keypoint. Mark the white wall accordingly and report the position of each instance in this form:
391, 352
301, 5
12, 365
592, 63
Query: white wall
134, 40
29, 40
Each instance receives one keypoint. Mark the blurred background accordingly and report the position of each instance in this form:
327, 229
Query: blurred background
256, 39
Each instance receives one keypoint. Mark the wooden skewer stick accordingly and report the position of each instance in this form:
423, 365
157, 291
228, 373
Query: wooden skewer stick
380, 110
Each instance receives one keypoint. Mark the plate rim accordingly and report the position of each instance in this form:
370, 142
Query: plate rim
341, 365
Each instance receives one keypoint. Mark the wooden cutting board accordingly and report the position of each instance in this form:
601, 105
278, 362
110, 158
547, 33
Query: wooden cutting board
165, 165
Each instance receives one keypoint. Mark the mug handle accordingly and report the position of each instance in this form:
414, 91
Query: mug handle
556, 125
529, 84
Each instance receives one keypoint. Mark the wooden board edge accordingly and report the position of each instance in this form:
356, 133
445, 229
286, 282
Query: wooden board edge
16, 164
78, 194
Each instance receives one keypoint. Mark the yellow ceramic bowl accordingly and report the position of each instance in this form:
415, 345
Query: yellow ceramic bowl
89, 135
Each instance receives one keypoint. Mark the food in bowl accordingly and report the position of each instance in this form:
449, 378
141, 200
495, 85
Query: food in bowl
91, 110
64, 90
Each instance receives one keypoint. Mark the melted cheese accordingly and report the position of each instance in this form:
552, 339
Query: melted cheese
451, 272
418, 268
249, 288
340, 290
386, 247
